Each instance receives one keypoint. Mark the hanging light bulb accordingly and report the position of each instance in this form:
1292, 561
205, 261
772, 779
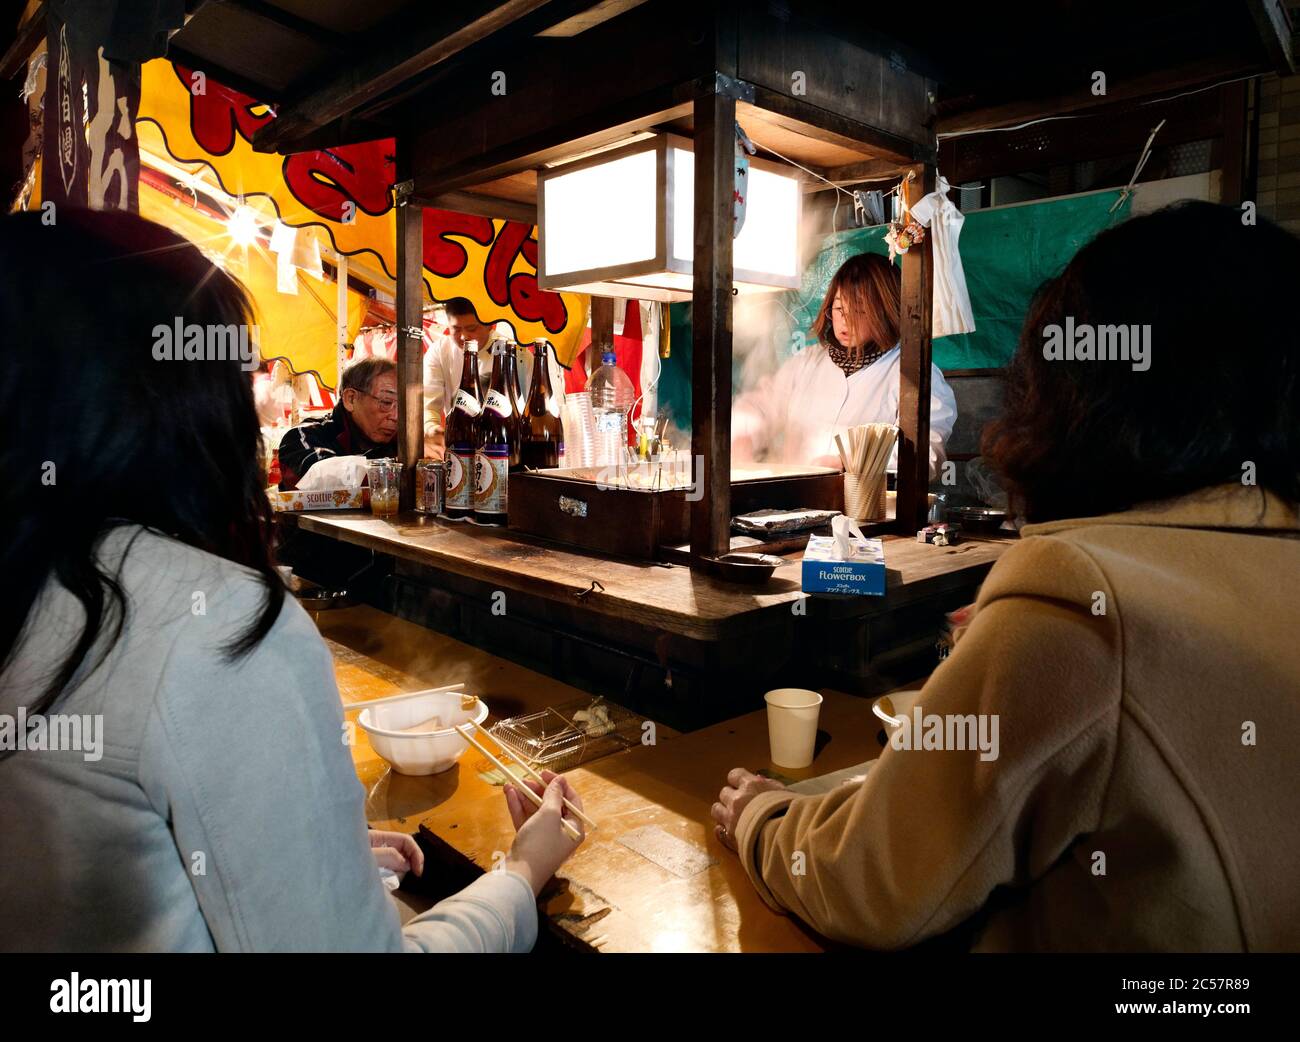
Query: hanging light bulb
242, 227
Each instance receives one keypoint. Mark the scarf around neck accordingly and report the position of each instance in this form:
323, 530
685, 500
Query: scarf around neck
848, 361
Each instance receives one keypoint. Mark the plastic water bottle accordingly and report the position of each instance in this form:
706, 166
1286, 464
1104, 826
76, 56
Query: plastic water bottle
612, 396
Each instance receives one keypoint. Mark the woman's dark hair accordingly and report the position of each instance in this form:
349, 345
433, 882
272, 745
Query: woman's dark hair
870, 289
1218, 296
100, 431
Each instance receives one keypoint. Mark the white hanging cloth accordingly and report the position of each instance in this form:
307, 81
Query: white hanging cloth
951, 309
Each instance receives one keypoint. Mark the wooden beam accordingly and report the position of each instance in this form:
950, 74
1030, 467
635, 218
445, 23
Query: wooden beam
813, 121
324, 38
558, 142
480, 206
1274, 24
856, 173
1147, 85
426, 45
226, 77
30, 35
410, 316
715, 184
599, 12
914, 370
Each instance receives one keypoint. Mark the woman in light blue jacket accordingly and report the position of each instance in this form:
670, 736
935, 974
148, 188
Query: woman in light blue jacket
201, 796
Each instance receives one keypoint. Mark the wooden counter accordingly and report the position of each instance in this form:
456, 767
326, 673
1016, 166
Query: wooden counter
669, 598
612, 898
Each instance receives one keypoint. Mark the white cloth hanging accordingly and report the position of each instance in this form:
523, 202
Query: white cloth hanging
951, 309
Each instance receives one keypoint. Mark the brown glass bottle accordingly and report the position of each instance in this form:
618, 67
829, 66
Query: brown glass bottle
498, 429
462, 438
543, 431
510, 359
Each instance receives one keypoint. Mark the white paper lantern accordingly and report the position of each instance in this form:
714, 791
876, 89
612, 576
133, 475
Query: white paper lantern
622, 224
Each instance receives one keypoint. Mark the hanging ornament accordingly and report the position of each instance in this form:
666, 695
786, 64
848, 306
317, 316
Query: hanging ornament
744, 149
904, 232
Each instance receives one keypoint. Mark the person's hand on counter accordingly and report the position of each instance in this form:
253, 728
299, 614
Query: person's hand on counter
396, 851
742, 786
541, 845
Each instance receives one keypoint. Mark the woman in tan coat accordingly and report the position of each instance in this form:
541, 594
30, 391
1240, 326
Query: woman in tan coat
1137, 647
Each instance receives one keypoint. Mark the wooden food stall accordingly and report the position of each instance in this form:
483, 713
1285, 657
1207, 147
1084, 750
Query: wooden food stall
663, 69
619, 597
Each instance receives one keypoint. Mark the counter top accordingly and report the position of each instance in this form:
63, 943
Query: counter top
611, 898
667, 597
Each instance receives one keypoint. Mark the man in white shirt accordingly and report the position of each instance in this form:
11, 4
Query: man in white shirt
445, 358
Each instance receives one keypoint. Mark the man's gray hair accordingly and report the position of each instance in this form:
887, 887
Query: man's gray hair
360, 376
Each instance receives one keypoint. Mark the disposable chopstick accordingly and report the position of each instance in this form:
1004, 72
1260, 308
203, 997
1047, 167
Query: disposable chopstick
844, 456
568, 827
529, 768
404, 696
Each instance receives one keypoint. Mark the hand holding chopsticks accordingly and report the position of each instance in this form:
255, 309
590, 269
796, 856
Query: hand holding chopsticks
464, 731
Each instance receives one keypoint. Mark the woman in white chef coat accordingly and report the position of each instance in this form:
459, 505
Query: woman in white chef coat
849, 376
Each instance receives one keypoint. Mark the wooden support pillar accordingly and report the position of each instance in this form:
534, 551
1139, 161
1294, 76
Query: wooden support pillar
410, 343
715, 182
914, 369
602, 330
1236, 163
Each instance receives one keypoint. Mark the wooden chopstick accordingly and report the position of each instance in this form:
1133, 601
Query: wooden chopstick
839, 446
529, 768
568, 827
348, 707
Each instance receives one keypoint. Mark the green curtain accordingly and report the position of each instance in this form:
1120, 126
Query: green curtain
1007, 253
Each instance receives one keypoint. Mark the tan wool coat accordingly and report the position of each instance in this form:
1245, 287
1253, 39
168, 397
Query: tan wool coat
1144, 670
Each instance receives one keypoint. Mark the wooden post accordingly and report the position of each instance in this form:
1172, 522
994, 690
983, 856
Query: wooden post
602, 330
1235, 165
715, 184
914, 370
410, 342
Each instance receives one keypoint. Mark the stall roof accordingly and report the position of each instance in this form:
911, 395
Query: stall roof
337, 67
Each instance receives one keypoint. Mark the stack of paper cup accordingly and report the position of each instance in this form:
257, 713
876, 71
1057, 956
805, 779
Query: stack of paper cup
579, 430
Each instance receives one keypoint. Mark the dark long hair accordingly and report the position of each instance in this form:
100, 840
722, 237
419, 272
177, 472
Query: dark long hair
1084, 438
100, 433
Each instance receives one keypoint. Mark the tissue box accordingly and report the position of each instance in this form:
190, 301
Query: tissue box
862, 573
319, 499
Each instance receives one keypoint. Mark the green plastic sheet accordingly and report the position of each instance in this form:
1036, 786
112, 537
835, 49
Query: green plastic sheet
1007, 253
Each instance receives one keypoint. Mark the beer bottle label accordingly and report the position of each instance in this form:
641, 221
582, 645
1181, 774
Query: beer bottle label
460, 484
464, 401
491, 472
498, 403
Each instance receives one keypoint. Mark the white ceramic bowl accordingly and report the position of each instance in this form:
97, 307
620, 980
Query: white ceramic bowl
427, 753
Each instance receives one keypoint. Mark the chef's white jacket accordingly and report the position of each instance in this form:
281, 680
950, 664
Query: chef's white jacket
442, 365
794, 414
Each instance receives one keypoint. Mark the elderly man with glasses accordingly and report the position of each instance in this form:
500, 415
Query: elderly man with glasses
363, 423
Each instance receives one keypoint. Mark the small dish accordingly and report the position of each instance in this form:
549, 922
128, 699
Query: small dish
743, 567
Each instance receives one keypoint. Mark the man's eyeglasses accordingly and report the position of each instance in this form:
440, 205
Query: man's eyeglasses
385, 404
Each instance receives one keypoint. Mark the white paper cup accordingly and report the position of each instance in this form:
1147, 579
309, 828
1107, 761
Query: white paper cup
792, 725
